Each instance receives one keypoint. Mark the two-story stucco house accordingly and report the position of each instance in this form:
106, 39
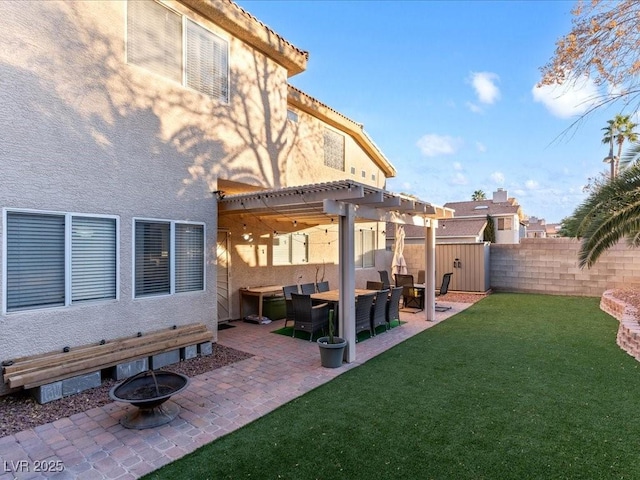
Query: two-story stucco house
127, 126
471, 216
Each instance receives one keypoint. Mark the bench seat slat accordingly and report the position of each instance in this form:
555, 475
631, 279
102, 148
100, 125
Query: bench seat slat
88, 351
107, 357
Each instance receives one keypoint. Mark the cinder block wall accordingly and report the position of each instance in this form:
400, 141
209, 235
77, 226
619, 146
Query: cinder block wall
550, 265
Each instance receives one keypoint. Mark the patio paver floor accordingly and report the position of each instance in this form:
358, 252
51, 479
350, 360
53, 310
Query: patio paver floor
93, 445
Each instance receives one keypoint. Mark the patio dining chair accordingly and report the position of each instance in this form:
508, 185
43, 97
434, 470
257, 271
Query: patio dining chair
384, 278
444, 288
421, 277
363, 312
308, 288
308, 317
393, 306
287, 290
371, 285
322, 286
379, 311
411, 297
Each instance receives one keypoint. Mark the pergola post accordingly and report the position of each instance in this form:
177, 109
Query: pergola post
347, 305
430, 270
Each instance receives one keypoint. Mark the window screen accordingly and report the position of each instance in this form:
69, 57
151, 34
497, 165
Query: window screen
154, 39
35, 260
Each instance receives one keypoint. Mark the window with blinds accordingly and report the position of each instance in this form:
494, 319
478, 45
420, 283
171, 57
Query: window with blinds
365, 248
39, 272
153, 268
290, 249
189, 257
333, 149
169, 44
161, 269
93, 258
206, 62
154, 39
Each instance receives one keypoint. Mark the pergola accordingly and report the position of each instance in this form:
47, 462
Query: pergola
347, 202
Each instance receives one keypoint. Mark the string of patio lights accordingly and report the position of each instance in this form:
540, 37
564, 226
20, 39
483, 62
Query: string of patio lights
292, 220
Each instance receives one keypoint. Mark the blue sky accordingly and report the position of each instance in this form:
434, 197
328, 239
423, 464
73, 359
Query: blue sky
446, 90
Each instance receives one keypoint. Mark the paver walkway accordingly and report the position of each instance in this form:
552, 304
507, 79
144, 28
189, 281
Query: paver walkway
93, 444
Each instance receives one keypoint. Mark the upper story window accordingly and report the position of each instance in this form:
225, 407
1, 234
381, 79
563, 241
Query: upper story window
58, 259
177, 48
333, 149
169, 257
292, 116
290, 249
505, 223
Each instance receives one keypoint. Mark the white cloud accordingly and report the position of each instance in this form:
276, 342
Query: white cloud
484, 83
432, 145
567, 100
457, 166
481, 147
498, 177
474, 108
531, 184
459, 179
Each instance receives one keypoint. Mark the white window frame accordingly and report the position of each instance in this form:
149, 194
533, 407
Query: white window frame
172, 257
68, 225
225, 98
360, 256
291, 250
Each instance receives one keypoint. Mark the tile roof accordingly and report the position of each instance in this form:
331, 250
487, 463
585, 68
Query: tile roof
484, 208
248, 28
461, 227
311, 105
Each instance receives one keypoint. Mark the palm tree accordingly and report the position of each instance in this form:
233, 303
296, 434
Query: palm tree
478, 195
610, 213
618, 130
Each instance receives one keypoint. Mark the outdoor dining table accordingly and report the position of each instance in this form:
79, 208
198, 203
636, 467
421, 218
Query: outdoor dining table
333, 296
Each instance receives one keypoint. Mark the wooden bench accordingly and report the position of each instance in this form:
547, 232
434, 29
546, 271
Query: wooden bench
37, 370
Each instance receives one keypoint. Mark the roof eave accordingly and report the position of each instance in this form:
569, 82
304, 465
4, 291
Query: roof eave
249, 29
310, 105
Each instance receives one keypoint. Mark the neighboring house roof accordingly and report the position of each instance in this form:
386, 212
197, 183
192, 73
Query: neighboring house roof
249, 29
482, 208
461, 227
536, 227
312, 106
552, 228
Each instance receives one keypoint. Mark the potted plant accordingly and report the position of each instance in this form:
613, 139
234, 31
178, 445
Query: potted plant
331, 347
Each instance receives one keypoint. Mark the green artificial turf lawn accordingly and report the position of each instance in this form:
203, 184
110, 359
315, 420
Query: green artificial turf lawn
515, 387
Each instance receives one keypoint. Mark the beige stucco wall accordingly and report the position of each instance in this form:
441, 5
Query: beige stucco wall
508, 236
306, 163
85, 132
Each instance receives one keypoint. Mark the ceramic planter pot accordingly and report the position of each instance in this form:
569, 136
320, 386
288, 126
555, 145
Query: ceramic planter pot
331, 354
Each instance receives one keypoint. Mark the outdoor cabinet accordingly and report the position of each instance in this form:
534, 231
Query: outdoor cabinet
469, 263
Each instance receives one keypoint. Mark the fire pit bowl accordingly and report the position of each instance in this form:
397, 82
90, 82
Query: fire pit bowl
150, 392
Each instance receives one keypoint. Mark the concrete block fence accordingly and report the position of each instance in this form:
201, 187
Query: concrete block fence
550, 265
